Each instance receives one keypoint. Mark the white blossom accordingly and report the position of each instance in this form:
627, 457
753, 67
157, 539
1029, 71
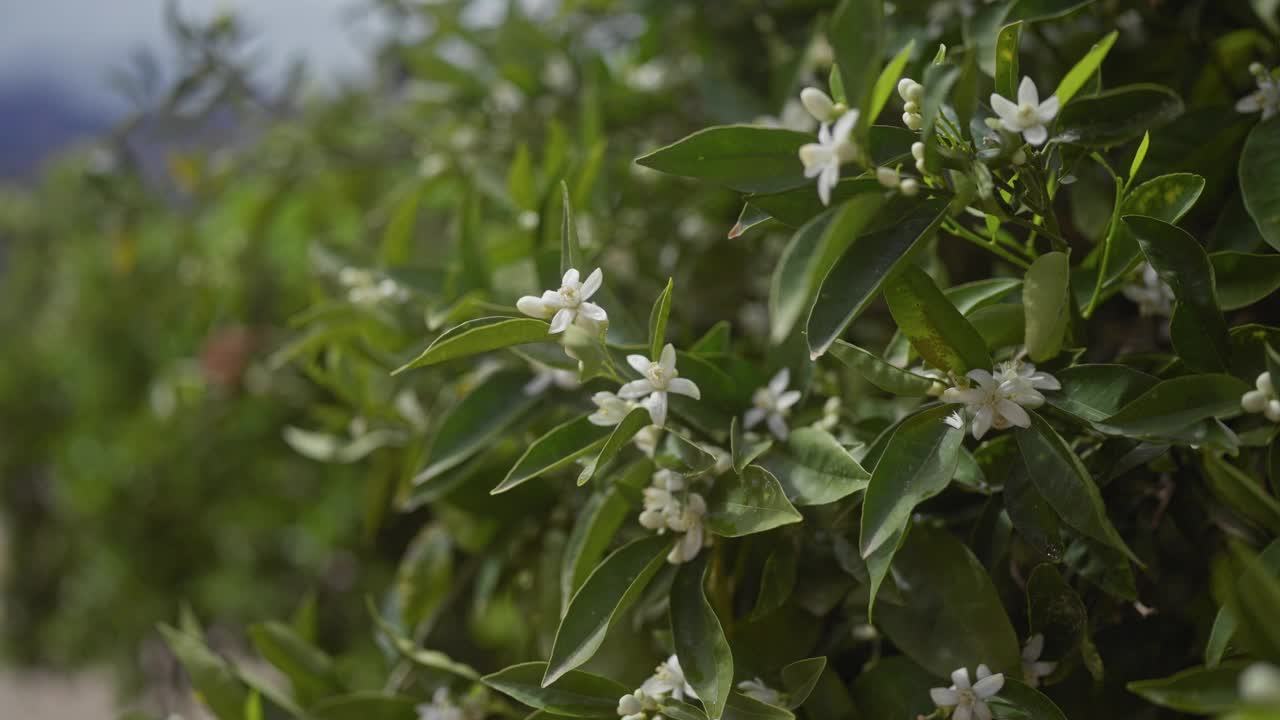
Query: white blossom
1266, 99
1033, 668
968, 701
646, 441
636, 706
364, 287
793, 116
834, 148
757, 690
1028, 116
773, 403
659, 378
668, 681
668, 506
568, 305
1262, 399
998, 401
955, 420
544, 377
441, 707
1259, 684
1152, 295
610, 409
909, 187
821, 106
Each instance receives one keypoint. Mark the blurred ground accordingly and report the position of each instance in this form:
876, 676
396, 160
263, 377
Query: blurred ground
49, 696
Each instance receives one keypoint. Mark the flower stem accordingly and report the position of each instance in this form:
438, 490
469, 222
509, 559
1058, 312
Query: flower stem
961, 231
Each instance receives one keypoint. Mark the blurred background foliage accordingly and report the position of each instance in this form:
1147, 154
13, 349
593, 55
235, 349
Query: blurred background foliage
194, 392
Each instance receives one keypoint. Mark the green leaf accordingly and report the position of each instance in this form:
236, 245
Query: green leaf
746, 158
800, 677
209, 674
1166, 198
934, 326
745, 451
310, 671
634, 422
1046, 302
1198, 329
814, 469
478, 336
1017, 699
690, 456
1096, 392
658, 320
422, 657
1118, 115
698, 638
575, 694
1007, 74
1139, 156
1225, 624
1171, 405
570, 249
918, 463
880, 373
476, 421
560, 446
894, 687
520, 181
952, 617
1056, 611
1258, 183
593, 531
888, 81
856, 278
679, 710
777, 580
1242, 279
741, 707
397, 237
1055, 471
367, 705
1250, 588
423, 578
608, 592
1078, 75
856, 37
1245, 495
1198, 690
749, 503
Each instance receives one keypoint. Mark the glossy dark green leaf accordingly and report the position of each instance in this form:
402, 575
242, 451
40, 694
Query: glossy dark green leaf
575, 694
1258, 167
658, 320
881, 373
607, 593
800, 677
952, 616
934, 327
634, 422
476, 421
1118, 115
1007, 77
748, 503
688, 456
741, 707
560, 446
1080, 73
887, 82
917, 464
430, 659
1198, 330
858, 275
1198, 690
1225, 624
743, 450
1171, 405
1046, 303
1243, 279
858, 42
777, 580
895, 687
1096, 392
814, 469
479, 336
593, 531
1017, 699
699, 640
1055, 611
1167, 198
746, 158
1246, 495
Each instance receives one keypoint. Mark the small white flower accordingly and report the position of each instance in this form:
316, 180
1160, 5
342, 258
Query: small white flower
659, 378
441, 707
968, 701
917, 152
821, 106
910, 91
1033, 668
668, 507
690, 523
636, 706
955, 420
998, 401
1259, 684
568, 305
909, 187
1263, 399
668, 681
888, 177
646, 441
610, 409
1266, 99
830, 414
757, 690
834, 148
1152, 295
364, 287
1028, 116
772, 404
544, 377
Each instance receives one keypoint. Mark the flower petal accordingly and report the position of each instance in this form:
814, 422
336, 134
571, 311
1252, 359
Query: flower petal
1036, 134
981, 711
533, 307
1035, 645
593, 312
1249, 103
982, 377
570, 277
1014, 413
639, 363
944, 697
788, 399
668, 358
635, 389
960, 678
1027, 92
1004, 107
753, 417
778, 426
1048, 109
988, 686
779, 382
563, 319
592, 284
684, 386
844, 126
656, 404
982, 420
963, 712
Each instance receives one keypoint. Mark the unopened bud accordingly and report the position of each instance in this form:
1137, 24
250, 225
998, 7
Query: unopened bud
917, 150
911, 107
904, 88
818, 104
1020, 157
888, 177
1256, 68
909, 186
913, 121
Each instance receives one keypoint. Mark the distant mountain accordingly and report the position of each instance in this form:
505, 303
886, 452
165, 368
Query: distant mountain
37, 120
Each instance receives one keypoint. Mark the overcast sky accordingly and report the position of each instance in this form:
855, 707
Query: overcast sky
73, 43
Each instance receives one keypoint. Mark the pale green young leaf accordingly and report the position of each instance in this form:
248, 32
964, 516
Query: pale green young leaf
479, 336
1079, 74
658, 316
560, 446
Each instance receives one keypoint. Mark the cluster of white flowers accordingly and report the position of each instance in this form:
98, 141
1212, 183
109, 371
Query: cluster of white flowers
773, 404
669, 505
667, 681
912, 94
757, 690
1028, 115
658, 378
1033, 668
998, 401
1263, 399
830, 414
1266, 99
1152, 295
890, 178
568, 305
364, 287
968, 701
835, 144
442, 707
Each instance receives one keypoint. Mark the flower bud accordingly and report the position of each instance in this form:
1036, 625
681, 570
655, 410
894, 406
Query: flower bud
915, 93
819, 104
917, 150
909, 186
1256, 68
904, 87
888, 177
911, 107
993, 123
912, 121
1019, 157
1263, 383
